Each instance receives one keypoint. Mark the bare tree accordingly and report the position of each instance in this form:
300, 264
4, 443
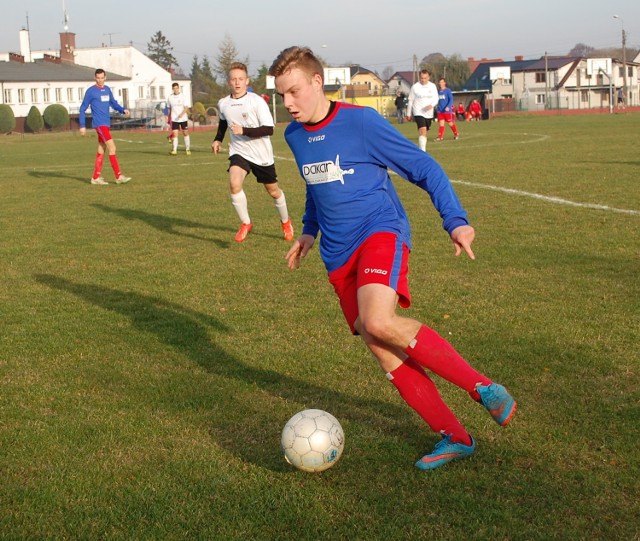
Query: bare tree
581, 49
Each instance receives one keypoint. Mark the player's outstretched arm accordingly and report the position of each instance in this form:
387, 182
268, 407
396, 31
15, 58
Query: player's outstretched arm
299, 250
462, 238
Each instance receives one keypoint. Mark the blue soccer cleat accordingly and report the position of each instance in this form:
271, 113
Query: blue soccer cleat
445, 451
499, 403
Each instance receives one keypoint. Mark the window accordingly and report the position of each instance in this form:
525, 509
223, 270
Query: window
21, 94
584, 96
69, 95
630, 71
161, 92
45, 95
58, 95
540, 99
7, 96
80, 94
34, 95
152, 92
620, 71
140, 92
541, 77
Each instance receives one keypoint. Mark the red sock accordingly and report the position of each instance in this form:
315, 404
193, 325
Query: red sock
454, 128
432, 351
440, 132
97, 168
114, 164
421, 394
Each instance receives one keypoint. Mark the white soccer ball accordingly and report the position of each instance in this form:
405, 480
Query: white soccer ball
312, 440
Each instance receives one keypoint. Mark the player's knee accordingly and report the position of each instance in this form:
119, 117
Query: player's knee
377, 327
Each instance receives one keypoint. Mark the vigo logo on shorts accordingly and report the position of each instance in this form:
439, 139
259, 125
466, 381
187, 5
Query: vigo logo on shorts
376, 271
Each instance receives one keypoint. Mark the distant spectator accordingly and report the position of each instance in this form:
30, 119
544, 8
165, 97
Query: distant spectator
475, 110
620, 98
461, 113
400, 103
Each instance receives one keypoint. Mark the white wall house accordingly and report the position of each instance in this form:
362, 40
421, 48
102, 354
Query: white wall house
581, 84
41, 78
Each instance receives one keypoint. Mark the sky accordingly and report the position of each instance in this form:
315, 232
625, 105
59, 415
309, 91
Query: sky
375, 35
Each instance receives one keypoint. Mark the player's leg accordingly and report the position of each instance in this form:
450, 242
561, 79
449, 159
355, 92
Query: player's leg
454, 128
266, 176
174, 141
187, 141
412, 383
238, 171
422, 132
440, 128
96, 178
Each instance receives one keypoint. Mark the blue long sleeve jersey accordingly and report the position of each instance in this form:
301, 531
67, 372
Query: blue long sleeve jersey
100, 98
350, 196
445, 100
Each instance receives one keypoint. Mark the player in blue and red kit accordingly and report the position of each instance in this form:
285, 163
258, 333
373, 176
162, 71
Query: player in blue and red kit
343, 153
100, 98
445, 110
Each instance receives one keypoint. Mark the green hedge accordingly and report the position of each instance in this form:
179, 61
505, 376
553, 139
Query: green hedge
7, 119
56, 116
35, 122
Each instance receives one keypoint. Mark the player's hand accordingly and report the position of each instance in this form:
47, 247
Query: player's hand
462, 238
215, 147
236, 129
83, 131
126, 112
299, 250
407, 118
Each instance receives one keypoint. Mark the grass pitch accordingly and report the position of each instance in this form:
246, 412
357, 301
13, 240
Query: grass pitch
148, 362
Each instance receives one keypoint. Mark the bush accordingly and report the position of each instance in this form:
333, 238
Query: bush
35, 122
56, 116
198, 112
7, 119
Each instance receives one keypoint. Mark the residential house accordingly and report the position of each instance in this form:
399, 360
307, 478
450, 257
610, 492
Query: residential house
554, 82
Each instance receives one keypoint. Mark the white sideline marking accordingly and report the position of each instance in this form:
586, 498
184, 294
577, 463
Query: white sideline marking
549, 199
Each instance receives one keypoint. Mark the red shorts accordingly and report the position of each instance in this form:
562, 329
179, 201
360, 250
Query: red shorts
447, 117
104, 134
380, 259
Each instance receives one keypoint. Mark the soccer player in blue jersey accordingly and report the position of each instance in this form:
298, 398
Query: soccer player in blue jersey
445, 110
343, 153
100, 98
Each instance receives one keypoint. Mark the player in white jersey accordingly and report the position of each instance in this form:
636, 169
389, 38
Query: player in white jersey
247, 116
423, 98
178, 119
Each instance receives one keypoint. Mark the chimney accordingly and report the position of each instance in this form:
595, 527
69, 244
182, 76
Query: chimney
67, 47
519, 58
15, 57
51, 59
25, 45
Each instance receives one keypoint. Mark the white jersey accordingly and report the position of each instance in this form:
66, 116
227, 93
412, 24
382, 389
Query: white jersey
420, 97
249, 111
177, 105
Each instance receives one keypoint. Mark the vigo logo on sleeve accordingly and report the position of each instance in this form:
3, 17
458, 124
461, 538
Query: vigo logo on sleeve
323, 172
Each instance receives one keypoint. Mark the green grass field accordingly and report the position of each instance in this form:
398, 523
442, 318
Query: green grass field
148, 362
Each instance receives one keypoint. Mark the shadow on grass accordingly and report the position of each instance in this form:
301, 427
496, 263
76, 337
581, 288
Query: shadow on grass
57, 174
166, 224
255, 438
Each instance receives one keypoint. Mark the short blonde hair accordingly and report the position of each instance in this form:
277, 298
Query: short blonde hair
238, 66
297, 57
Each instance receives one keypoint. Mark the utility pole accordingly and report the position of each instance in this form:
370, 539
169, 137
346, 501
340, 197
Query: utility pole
546, 82
624, 59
